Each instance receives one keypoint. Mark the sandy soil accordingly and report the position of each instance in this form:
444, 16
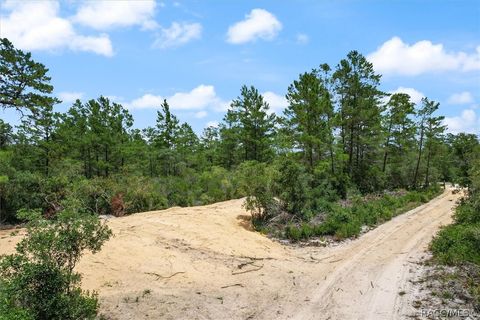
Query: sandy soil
206, 263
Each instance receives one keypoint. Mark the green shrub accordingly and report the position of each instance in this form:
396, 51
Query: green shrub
457, 243
467, 214
256, 181
293, 184
347, 230
292, 232
39, 281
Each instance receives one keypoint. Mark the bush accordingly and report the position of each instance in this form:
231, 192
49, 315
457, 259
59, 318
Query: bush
293, 187
39, 281
458, 243
346, 222
256, 181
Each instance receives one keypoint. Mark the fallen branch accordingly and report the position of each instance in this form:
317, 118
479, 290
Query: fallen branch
255, 258
335, 260
233, 285
251, 270
241, 265
163, 277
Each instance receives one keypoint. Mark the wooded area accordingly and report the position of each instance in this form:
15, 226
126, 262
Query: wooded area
339, 136
343, 155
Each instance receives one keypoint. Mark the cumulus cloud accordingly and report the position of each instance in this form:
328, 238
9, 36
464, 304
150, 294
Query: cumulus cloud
460, 98
146, 101
36, 25
199, 98
178, 34
468, 122
214, 124
258, 24
302, 38
200, 114
104, 15
397, 57
276, 102
415, 95
69, 97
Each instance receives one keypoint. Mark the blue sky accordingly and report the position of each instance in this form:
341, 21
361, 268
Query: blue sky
198, 54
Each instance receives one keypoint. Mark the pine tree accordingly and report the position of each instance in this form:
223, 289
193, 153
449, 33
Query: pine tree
426, 120
167, 127
252, 125
308, 117
399, 129
39, 128
359, 116
24, 84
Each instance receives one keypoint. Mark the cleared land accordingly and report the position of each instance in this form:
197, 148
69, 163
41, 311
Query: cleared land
206, 263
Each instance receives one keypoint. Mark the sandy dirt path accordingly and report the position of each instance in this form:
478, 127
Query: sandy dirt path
206, 263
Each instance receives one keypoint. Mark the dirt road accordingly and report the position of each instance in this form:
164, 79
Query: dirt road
205, 263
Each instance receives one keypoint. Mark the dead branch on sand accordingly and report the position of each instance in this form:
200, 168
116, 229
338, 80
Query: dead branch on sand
250, 270
233, 285
163, 277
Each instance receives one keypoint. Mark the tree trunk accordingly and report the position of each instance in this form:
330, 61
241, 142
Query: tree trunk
415, 177
106, 161
387, 143
427, 182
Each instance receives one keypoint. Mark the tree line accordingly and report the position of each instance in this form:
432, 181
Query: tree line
340, 135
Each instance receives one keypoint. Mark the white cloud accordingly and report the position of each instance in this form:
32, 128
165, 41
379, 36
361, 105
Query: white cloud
199, 98
214, 124
178, 34
69, 97
396, 57
145, 102
461, 98
302, 38
104, 15
200, 114
36, 25
415, 95
258, 24
468, 122
276, 102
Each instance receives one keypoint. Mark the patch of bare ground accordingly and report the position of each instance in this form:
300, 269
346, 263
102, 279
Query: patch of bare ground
441, 292
206, 263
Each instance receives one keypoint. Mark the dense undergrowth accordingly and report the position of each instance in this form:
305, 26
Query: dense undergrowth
120, 194
458, 244
347, 221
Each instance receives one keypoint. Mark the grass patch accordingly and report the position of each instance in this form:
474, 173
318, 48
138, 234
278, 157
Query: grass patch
458, 245
343, 222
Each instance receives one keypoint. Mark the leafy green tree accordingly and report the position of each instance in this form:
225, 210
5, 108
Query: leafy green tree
24, 84
167, 127
308, 117
39, 280
229, 149
6, 134
434, 138
356, 85
252, 125
39, 128
462, 155
164, 136
399, 128
186, 144
293, 185
209, 144
425, 118
96, 132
